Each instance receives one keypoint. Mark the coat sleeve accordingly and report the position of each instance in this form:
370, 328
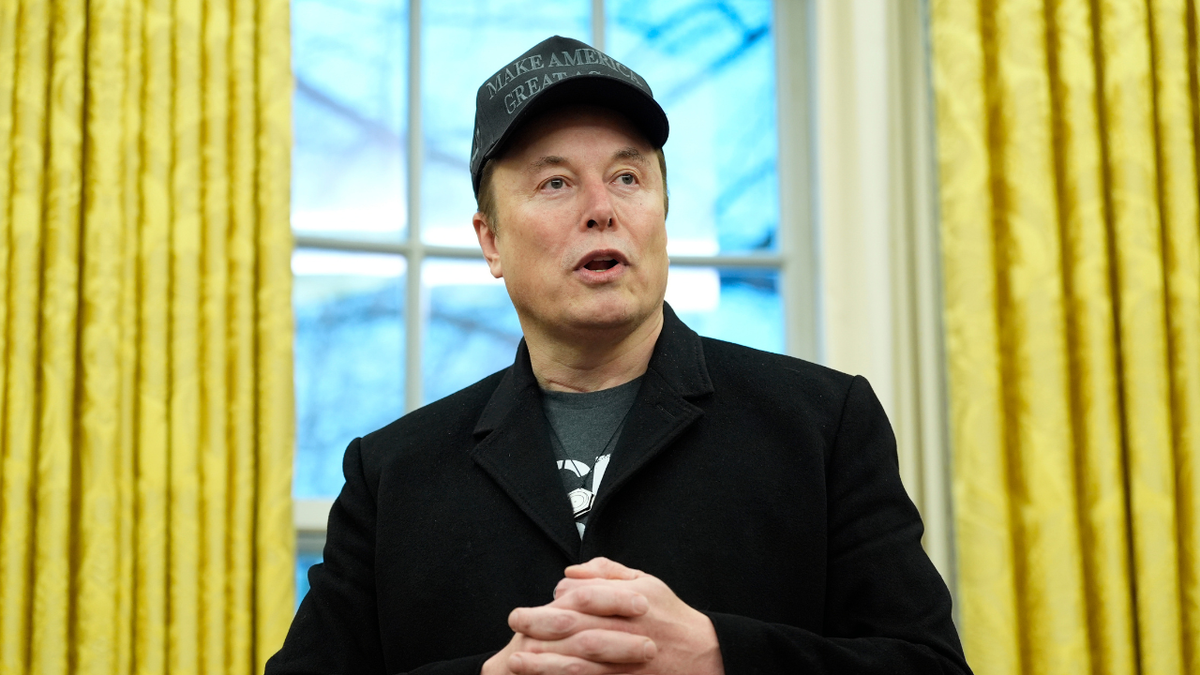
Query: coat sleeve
336, 629
887, 609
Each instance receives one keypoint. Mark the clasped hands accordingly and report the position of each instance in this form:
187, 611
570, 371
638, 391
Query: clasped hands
607, 618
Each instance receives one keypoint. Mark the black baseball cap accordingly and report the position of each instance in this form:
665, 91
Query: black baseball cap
558, 71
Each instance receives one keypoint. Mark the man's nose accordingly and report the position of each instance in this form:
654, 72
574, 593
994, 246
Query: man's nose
598, 210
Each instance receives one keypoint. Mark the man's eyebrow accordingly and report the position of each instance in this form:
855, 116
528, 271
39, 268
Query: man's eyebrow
630, 153
547, 160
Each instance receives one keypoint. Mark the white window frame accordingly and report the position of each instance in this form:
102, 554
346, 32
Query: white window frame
795, 260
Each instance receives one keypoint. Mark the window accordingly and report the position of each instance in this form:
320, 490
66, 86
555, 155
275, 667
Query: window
394, 306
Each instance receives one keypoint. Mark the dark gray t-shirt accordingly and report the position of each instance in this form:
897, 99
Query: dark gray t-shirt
584, 431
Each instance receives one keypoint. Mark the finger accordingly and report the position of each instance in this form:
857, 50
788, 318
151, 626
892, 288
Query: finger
528, 663
555, 623
601, 568
598, 646
567, 585
601, 599
644, 585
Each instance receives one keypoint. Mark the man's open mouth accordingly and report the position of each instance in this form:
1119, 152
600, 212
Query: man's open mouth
600, 261
601, 264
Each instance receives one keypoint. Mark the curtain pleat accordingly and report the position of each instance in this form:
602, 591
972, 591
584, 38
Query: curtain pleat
1071, 242
129, 121
23, 229
1095, 408
986, 592
1178, 105
276, 424
55, 495
214, 461
1138, 294
1033, 349
145, 336
153, 387
8, 62
184, 188
101, 368
243, 262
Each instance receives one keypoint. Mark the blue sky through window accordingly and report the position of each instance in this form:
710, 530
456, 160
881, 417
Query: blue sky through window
350, 63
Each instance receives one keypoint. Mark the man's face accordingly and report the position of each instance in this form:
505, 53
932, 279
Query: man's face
581, 240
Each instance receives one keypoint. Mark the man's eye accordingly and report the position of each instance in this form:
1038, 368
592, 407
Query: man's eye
556, 184
627, 179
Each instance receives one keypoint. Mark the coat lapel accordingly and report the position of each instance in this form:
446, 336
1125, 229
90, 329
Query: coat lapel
662, 411
515, 451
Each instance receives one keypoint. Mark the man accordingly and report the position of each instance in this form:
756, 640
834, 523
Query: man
627, 497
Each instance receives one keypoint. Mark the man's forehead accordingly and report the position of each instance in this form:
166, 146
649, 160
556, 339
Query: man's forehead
628, 153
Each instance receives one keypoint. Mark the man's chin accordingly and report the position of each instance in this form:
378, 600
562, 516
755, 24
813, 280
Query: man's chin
601, 322
609, 319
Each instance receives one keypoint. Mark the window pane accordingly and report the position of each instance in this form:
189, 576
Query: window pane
462, 44
712, 68
350, 64
736, 305
349, 358
473, 329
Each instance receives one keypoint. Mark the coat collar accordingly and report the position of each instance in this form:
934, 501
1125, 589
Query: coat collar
514, 436
678, 358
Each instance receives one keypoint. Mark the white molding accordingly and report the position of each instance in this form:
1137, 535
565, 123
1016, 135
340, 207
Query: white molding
919, 349
311, 515
414, 305
598, 24
794, 99
880, 280
749, 260
854, 227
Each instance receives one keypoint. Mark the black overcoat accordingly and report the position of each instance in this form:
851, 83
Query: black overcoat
763, 489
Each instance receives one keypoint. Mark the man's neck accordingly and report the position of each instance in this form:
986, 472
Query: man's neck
592, 365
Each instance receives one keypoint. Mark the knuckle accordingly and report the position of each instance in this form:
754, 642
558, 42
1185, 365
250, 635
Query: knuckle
561, 623
590, 645
585, 596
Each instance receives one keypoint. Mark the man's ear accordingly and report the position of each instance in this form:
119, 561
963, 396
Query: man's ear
487, 243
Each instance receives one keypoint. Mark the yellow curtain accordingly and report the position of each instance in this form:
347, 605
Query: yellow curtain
1071, 240
145, 335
